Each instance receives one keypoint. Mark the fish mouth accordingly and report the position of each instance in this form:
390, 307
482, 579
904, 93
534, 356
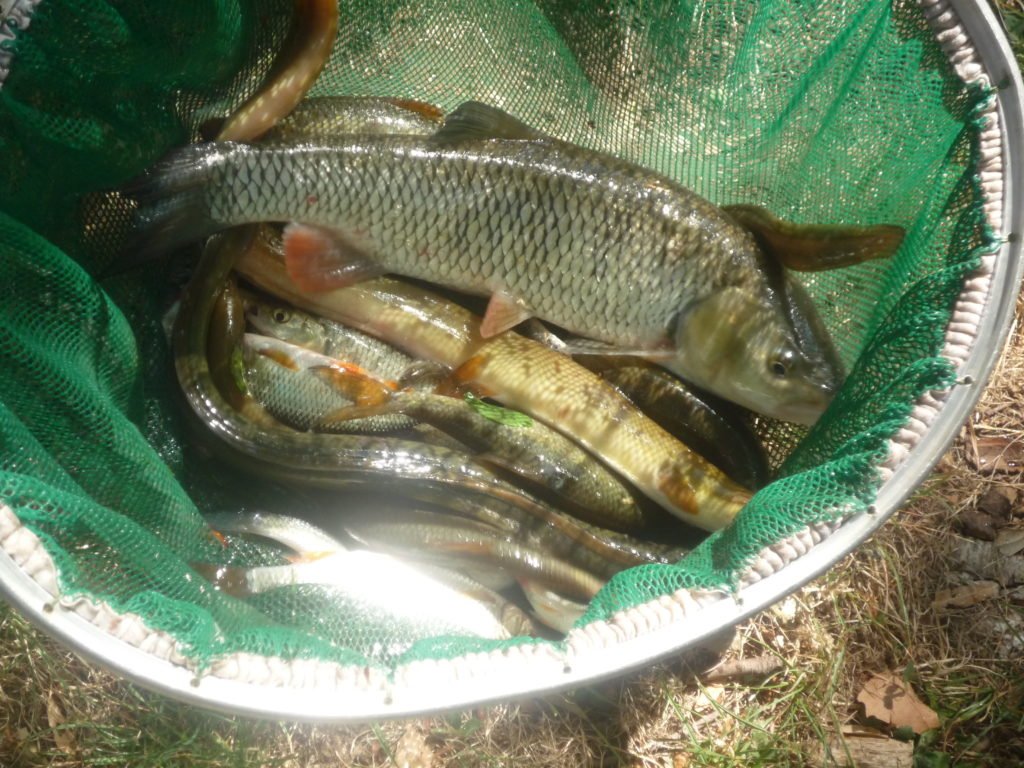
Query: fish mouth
808, 411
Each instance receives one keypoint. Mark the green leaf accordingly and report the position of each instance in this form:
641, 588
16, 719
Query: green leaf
498, 414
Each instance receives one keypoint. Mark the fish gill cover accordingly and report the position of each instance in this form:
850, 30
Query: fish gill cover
834, 112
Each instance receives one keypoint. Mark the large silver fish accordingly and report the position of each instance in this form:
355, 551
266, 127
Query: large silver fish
595, 244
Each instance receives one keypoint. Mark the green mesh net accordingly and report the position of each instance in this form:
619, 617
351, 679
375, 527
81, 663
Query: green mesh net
821, 112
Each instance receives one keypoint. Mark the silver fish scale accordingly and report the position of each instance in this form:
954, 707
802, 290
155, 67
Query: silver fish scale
592, 243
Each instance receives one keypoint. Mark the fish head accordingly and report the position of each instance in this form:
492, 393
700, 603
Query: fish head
741, 346
286, 323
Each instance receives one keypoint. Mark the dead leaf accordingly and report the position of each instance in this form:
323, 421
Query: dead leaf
965, 596
887, 698
996, 454
64, 739
861, 752
977, 524
997, 502
1010, 541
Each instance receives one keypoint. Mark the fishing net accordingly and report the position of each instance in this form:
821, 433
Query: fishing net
845, 112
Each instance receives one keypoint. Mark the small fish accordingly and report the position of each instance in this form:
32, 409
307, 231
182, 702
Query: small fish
325, 118
376, 582
298, 535
554, 465
710, 426
310, 542
526, 376
280, 377
273, 318
439, 538
258, 444
486, 205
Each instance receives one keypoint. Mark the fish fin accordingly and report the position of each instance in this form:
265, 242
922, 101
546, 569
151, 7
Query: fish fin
421, 108
816, 247
354, 383
536, 330
319, 259
463, 379
473, 120
503, 312
171, 205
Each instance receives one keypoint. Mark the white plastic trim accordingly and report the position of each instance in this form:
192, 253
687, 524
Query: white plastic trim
15, 15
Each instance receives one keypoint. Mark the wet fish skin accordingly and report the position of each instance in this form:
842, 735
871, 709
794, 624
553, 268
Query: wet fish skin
375, 581
436, 538
590, 242
526, 376
300, 61
278, 376
325, 118
259, 445
552, 462
712, 427
298, 535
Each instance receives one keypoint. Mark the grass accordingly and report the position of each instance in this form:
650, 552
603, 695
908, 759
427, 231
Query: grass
870, 613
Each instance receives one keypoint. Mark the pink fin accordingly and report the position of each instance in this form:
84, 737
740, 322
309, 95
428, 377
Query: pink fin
503, 312
319, 259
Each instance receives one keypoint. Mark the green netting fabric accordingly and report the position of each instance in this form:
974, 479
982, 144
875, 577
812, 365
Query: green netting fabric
822, 112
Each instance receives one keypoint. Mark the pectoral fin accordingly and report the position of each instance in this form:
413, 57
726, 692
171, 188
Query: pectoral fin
503, 312
816, 247
355, 384
319, 259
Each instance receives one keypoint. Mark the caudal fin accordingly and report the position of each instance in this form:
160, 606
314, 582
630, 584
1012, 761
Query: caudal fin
172, 205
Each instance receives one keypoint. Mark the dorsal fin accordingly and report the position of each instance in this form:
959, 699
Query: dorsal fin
473, 121
816, 247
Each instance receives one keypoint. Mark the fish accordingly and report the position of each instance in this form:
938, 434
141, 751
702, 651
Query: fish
524, 447
712, 427
377, 583
595, 244
309, 542
300, 536
296, 67
324, 118
523, 375
554, 465
276, 319
278, 376
439, 538
258, 444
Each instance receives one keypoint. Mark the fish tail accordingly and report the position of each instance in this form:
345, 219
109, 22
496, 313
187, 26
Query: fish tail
172, 205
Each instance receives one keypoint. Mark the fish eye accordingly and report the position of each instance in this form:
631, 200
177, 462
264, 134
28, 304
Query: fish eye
781, 363
281, 316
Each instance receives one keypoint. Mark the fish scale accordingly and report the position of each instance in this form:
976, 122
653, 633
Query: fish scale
594, 244
250, 184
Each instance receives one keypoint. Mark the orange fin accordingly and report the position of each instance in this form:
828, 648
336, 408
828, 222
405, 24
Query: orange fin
503, 312
319, 259
463, 380
354, 383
